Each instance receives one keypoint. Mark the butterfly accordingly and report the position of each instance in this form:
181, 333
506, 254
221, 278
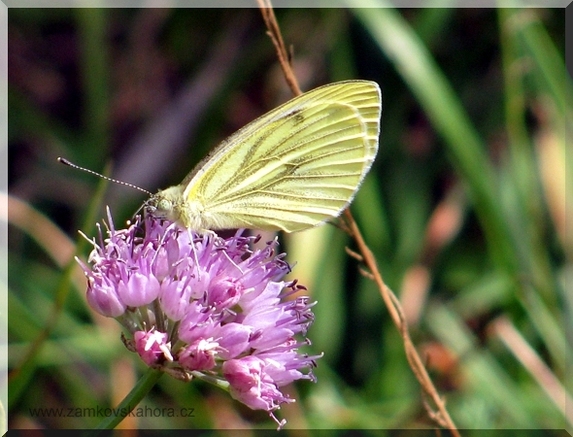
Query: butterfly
291, 169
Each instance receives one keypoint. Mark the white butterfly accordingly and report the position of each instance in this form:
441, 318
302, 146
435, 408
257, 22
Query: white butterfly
290, 169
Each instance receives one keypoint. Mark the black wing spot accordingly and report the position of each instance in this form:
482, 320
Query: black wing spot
297, 116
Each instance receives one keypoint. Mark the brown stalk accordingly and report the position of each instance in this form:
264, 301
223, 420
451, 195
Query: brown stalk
274, 32
441, 415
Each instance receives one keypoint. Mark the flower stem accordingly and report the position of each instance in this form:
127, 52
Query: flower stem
134, 397
224, 385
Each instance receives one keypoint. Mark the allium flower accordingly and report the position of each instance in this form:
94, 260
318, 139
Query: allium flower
205, 307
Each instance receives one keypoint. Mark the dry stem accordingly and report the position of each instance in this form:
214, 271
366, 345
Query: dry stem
441, 416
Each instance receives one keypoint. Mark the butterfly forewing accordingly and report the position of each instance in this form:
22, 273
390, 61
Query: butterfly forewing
294, 167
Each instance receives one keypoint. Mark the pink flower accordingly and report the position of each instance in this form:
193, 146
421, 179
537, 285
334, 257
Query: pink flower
152, 346
204, 307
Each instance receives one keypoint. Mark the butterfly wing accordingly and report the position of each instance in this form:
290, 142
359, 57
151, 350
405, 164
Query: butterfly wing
293, 168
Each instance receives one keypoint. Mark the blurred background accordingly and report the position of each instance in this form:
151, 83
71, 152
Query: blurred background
464, 208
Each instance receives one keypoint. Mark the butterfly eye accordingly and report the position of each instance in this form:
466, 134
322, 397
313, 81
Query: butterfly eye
158, 206
164, 205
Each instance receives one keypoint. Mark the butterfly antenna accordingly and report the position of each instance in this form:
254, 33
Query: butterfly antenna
87, 170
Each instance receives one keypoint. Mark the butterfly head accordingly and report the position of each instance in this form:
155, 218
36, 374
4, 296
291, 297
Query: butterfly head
165, 204
171, 204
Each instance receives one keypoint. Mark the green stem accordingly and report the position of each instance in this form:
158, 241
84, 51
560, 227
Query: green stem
134, 397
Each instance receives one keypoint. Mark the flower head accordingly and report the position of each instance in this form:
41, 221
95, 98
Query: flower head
205, 307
